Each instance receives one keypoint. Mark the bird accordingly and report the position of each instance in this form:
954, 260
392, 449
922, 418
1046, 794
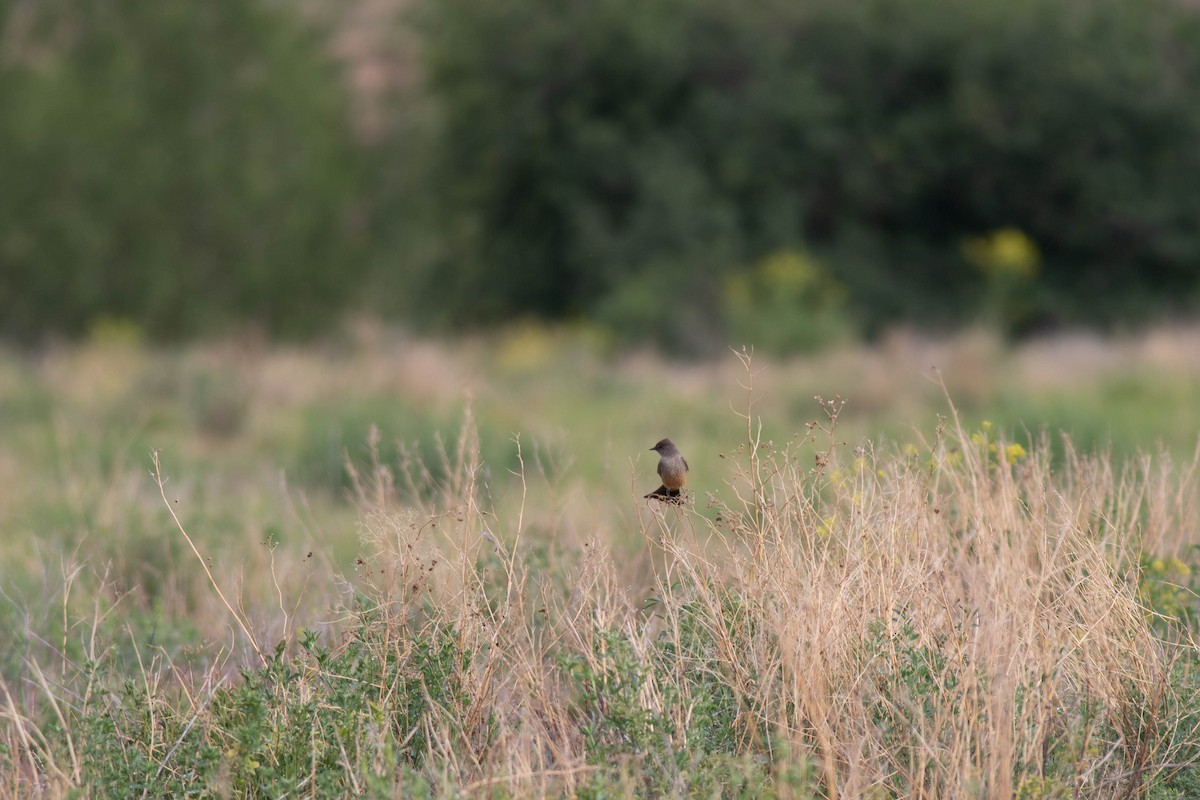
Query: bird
672, 469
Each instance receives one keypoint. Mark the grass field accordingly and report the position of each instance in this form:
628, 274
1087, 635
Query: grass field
389, 567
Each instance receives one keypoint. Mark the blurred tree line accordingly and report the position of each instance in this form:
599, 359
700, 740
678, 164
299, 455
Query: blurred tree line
691, 171
182, 165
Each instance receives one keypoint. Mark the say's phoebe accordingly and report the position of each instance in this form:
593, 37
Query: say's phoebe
672, 468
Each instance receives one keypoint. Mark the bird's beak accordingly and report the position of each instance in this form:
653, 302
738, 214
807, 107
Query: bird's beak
651, 448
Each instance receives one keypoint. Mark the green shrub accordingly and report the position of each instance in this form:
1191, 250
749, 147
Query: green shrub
181, 165
381, 431
698, 731
622, 159
786, 303
320, 721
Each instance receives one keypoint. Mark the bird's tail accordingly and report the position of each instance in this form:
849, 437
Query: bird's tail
669, 495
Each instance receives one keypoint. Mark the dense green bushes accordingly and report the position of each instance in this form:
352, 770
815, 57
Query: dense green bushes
638, 162
178, 164
620, 158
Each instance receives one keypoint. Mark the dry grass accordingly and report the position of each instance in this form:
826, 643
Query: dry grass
955, 619
939, 625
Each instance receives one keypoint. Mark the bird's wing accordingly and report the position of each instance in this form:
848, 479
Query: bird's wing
685, 466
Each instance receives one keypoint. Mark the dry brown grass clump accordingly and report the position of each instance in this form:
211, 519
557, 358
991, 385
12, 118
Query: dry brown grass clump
962, 621
959, 621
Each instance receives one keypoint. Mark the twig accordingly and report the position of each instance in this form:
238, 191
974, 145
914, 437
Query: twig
162, 490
